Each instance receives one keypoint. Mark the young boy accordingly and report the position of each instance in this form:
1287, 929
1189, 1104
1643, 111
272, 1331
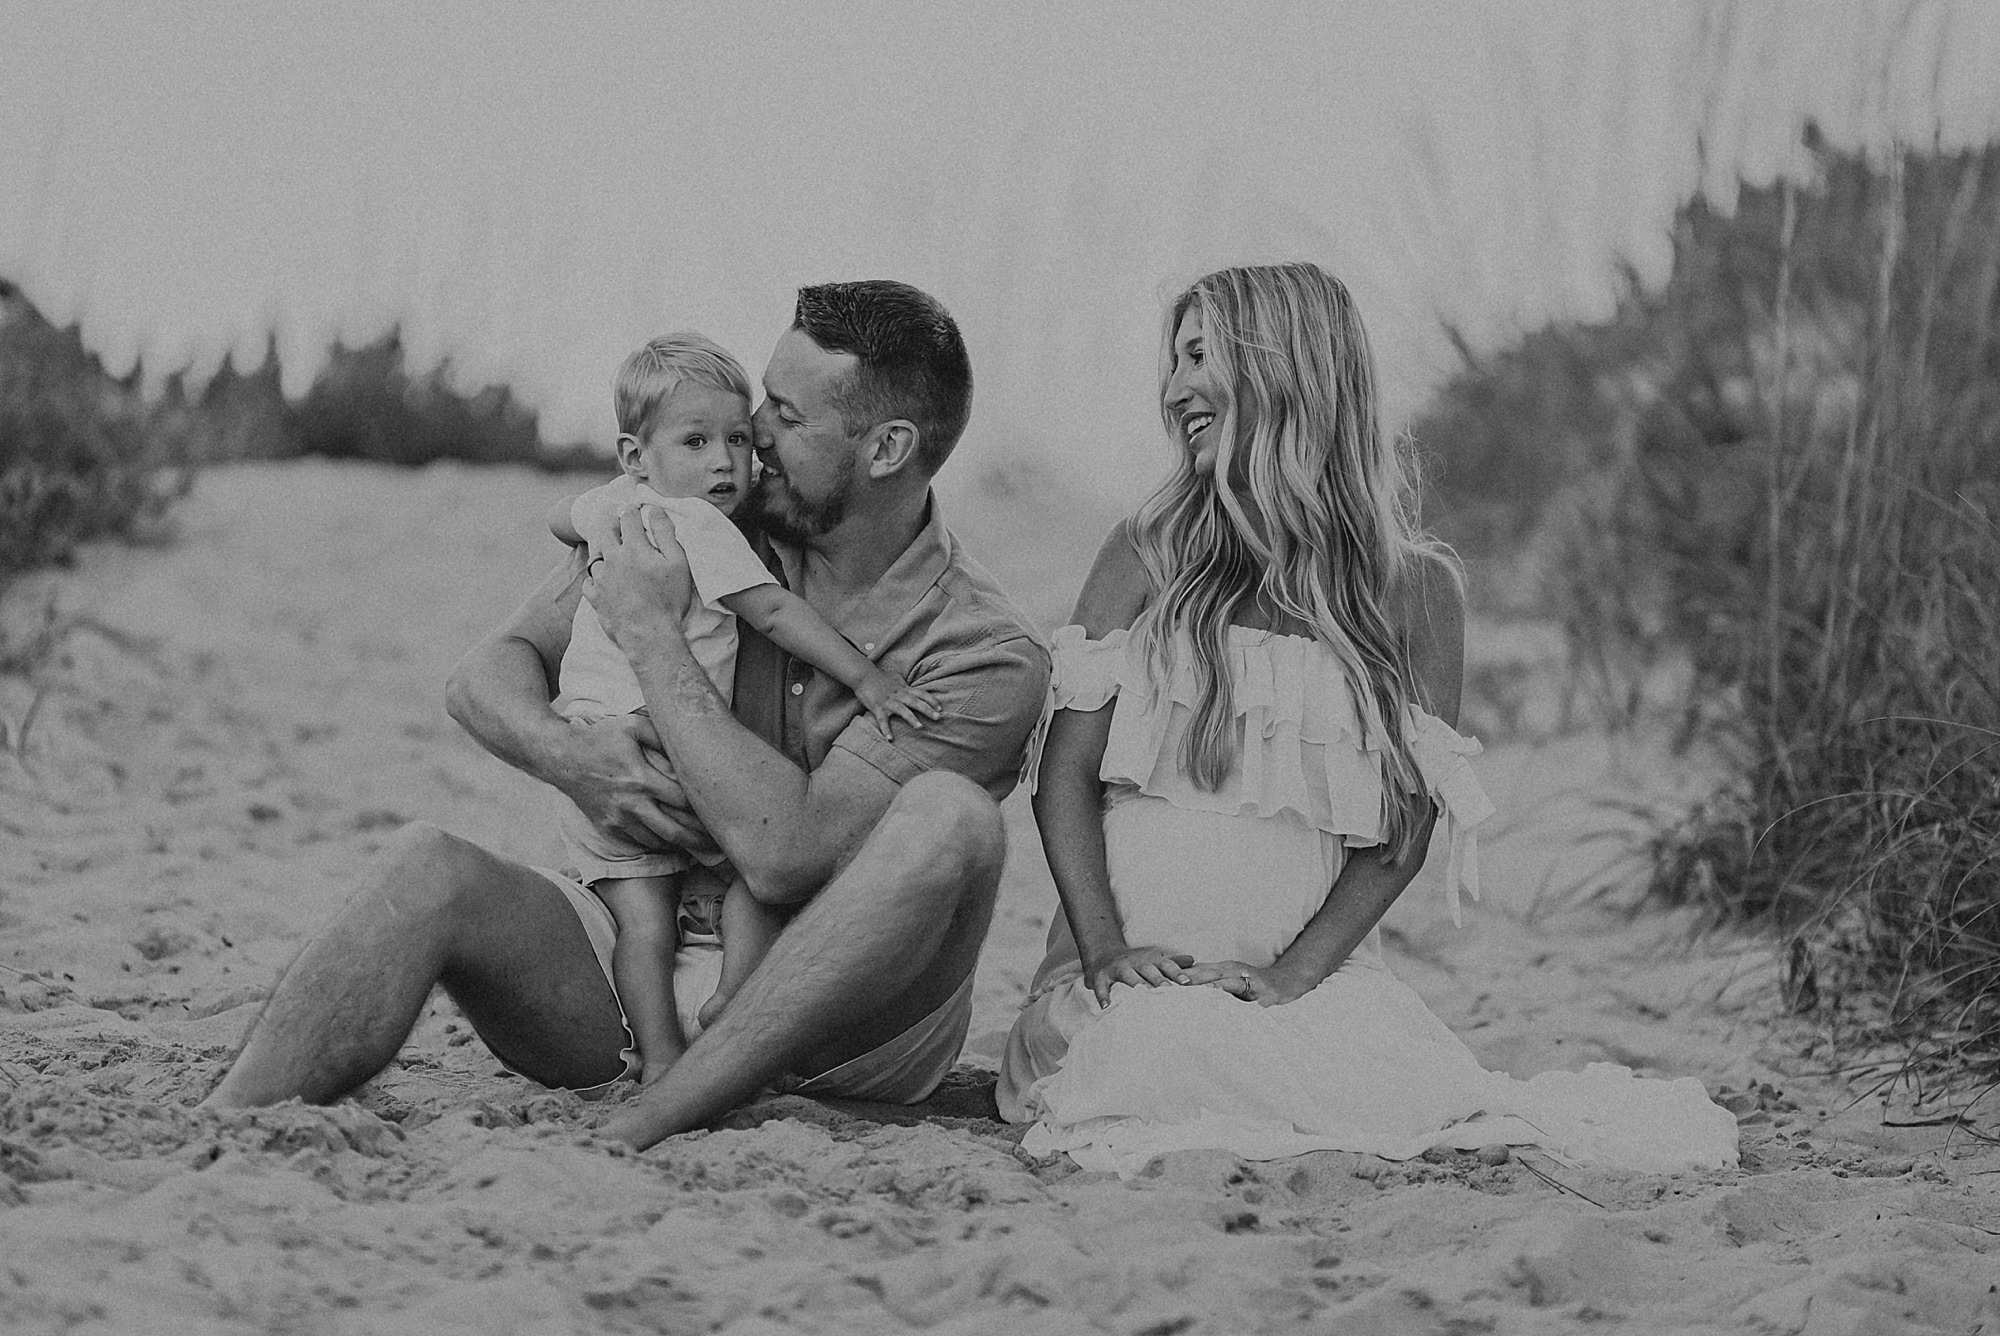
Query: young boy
684, 445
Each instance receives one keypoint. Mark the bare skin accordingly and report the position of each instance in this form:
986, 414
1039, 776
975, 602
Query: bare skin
901, 881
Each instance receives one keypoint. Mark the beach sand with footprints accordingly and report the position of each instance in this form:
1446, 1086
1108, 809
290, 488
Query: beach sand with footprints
205, 739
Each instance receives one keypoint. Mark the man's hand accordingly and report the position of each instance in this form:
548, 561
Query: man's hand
635, 587
615, 773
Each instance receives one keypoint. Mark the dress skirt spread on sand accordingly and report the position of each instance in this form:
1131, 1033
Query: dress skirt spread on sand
1359, 1063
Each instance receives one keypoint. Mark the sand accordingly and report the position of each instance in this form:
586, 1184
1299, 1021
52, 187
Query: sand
212, 734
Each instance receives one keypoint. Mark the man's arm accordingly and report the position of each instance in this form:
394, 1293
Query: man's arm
500, 693
786, 831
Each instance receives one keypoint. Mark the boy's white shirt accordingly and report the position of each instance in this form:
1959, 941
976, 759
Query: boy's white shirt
595, 679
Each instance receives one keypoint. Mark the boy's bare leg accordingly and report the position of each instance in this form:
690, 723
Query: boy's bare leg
749, 926
885, 944
434, 909
642, 962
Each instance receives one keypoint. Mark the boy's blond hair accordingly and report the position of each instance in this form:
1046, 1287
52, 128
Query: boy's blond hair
649, 377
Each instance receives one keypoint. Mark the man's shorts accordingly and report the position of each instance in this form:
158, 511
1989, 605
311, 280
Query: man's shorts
904, 1070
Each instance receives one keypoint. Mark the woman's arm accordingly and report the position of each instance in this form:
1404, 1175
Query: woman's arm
1069, 798
1433, 616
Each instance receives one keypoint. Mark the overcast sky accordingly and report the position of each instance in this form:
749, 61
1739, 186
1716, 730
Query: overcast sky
532, 190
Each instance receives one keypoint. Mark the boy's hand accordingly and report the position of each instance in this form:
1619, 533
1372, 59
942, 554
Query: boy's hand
884, 695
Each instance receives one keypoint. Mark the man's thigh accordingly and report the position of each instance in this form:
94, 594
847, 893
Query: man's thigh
523, 970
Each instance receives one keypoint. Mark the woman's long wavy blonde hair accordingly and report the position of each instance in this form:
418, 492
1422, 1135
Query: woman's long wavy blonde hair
1318, 514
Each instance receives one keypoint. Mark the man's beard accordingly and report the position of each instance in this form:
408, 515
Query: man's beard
780, 511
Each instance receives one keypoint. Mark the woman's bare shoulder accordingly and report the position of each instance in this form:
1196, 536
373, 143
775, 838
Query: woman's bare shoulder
1117, 588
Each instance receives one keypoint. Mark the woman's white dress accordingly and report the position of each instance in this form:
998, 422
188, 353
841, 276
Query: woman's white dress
1357, 1064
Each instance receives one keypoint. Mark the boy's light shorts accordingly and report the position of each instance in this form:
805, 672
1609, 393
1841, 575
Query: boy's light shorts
905, 1070
598, 855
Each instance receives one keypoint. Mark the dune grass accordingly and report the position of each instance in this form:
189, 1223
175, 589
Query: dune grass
85, 455
1786, 466
79, 456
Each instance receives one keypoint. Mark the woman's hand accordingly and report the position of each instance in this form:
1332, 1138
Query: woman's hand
1270, 986
1140, 966
634, 585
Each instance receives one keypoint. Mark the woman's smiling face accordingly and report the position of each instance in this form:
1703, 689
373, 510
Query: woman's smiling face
1195, 398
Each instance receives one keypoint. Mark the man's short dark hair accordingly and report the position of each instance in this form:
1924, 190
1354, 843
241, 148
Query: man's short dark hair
913, 360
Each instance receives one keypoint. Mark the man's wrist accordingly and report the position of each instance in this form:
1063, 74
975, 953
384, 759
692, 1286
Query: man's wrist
650, 636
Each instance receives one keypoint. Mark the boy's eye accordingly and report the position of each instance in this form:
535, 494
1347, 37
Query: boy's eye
739, 438
696, 442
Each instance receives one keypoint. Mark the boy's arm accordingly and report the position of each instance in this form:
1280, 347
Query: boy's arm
790, 623
561, 524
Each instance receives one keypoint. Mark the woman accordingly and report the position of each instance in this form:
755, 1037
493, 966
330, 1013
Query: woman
1250, 744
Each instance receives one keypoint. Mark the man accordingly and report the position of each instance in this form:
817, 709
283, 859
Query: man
894, 847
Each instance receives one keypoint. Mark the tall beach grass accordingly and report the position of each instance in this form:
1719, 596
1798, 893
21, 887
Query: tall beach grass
1785, 466
87, 455
81, 455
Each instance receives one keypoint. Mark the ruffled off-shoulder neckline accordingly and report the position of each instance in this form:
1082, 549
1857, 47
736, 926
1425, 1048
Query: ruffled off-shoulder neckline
1309, 746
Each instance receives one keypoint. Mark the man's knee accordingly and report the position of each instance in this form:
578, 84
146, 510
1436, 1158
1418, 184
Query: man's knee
953, 818
426, 867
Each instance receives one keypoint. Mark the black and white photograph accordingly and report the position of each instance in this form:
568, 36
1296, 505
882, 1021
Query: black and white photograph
1000, 669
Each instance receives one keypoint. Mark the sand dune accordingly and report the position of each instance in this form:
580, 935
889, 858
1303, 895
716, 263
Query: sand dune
216, 732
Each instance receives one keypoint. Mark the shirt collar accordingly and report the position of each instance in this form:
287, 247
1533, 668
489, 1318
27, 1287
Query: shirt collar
873, 622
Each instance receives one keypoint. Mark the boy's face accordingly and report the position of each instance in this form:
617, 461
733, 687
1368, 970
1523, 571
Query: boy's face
699, 446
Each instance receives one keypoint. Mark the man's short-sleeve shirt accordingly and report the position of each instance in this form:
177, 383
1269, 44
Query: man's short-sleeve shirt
936, 619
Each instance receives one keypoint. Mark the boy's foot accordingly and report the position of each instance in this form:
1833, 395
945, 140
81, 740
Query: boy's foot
711, 1009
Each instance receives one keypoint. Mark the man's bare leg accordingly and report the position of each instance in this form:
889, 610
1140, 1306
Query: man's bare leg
886, 943
436, 909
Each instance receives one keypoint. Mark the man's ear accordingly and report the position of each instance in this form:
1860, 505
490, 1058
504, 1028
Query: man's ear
893, 447
628, 454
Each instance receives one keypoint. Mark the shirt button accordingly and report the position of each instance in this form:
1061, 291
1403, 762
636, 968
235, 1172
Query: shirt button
868, 648
798, 688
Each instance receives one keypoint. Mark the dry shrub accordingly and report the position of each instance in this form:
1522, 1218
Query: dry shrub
366, 405
1801, 492
85, 455
77, 460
